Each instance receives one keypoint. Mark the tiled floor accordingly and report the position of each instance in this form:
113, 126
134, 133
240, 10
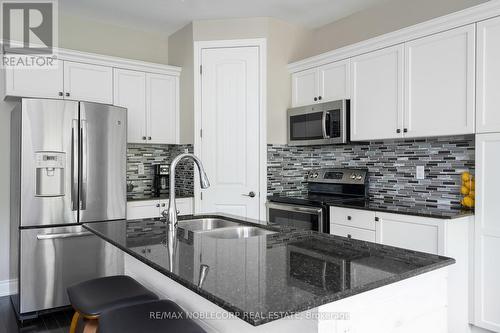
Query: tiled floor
51, 323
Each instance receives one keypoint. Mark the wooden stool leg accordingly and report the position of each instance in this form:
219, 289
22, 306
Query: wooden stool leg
90, 326
74, 322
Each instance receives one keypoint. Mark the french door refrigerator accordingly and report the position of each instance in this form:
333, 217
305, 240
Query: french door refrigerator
68, 166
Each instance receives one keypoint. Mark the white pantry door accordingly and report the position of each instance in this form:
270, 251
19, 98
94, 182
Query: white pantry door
230, 99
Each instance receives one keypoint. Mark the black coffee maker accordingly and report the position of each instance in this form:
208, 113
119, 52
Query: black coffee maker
160, 182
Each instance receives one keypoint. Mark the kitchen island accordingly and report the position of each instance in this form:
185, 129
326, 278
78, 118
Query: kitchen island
286, 281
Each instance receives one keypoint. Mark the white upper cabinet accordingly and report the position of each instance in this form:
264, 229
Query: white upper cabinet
439, 83
488, 76
162, 108
305, 87
322, 84
334, 81
377, 94
44, 83
130, 92
85, 82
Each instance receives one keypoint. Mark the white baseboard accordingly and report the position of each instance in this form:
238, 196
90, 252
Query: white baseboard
8, 287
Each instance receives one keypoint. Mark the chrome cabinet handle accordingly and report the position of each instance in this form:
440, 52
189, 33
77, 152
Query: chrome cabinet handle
64, 235
251, 194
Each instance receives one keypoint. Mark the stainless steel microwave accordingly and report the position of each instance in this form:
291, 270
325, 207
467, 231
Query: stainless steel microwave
319, 124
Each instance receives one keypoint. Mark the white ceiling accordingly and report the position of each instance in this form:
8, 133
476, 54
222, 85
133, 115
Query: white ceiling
170, 15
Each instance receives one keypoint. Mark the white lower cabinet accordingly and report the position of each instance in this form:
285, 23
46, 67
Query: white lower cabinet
448, 237
487, 233
153, 208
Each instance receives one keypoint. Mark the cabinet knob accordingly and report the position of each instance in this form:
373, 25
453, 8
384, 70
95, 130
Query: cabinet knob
144, 138
67, 94
349, 218
157, 205
405, 130
61, 93
149, 138
315, 99
349, 236
149, 250
320, 98
163, 205
377, 219
398, 130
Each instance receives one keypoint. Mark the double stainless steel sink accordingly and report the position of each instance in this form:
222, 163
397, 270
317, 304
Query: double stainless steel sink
223, 229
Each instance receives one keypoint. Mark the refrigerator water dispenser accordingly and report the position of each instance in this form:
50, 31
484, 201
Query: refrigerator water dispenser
49, 173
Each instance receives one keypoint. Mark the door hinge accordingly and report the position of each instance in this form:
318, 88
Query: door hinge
201, 133
201, 195
201, 69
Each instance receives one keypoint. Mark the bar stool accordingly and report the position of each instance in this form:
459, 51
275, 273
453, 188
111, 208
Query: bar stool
91, 298
162, 316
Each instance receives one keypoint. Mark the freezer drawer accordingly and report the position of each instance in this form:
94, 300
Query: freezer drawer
54, 258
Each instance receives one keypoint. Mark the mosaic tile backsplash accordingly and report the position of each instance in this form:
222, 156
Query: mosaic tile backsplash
149, 155
391, 164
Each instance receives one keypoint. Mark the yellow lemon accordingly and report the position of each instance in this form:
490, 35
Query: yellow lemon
472, 194
472, 185
468, 202
464, 190
465, 176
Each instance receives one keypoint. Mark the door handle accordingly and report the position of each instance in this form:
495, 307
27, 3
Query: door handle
251, 194
64, 235
74, 165
83, 168
323, 125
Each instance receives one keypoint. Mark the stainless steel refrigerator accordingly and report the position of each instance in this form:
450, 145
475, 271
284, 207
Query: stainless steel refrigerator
68, 166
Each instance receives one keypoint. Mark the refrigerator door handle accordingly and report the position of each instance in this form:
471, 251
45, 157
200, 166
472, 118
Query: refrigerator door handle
74, 165
84, 165
64, 235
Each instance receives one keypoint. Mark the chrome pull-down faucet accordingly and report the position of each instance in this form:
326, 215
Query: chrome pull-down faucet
171, 213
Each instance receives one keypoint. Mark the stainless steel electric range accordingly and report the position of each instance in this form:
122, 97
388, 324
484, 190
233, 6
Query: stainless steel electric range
324, 186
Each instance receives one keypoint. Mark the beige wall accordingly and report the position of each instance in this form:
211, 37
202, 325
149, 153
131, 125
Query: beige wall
180, 53
88, 35
390, 16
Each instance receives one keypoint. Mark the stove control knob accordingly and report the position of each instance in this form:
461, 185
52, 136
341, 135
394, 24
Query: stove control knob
358, 177
353, 176
315, 175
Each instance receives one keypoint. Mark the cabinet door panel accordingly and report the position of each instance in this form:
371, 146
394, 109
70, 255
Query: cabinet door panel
162, 105
377, 94
488, 76
487, 233
130, 92
439, 94
334, 81
305, 87
143, 209
85, 82
43, 83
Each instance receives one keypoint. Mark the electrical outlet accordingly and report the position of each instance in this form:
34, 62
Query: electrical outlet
140, 169
420, 172
186, 150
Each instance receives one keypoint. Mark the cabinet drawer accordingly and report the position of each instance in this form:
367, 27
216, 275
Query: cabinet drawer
143, 209
349, 232
353, 217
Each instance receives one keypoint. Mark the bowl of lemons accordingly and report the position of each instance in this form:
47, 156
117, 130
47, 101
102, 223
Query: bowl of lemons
468, 190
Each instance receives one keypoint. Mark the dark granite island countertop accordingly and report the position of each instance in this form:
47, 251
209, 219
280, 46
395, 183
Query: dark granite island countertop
294, 271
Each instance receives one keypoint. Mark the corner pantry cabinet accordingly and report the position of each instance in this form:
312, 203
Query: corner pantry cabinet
149, 91
323, 84
487, 233
488, 76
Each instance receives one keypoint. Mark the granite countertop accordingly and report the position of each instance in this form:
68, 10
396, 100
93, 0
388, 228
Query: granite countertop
399, 208
161, 197
264, 278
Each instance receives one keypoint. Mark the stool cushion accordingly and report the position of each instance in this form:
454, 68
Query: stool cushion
153, 317
92, 297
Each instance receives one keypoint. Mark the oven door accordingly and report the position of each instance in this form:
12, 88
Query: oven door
299, 217
318, 124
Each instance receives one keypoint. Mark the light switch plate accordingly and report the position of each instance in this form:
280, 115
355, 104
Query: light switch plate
420, 172
140, 168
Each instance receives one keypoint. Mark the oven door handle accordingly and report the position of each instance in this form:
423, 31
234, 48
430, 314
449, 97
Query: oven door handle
292, 208
323, 125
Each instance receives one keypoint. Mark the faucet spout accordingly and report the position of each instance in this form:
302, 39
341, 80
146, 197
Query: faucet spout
171, 213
